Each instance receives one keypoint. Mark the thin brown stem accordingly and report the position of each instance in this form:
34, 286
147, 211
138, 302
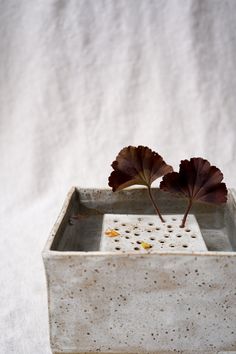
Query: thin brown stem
186, 213
154, 204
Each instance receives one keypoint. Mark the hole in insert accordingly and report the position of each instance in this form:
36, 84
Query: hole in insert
193, 236
178, 235
169, 226
127, 237
174, 219
157, 228
136, 234
138, 242
127, 231
136, 248
166, 236
162, 241
152, 238
123, 224
150, 224
117, 248
185, 246
187, 230
172, 246
115, 220
116, 240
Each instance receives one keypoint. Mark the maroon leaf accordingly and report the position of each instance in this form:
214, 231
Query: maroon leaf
196, 180
137, 165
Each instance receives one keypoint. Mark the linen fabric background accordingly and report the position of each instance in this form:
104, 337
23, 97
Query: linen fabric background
79, 80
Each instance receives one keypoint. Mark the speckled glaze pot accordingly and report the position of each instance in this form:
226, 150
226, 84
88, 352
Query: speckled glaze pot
159, 302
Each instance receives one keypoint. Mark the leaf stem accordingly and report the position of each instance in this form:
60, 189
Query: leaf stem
190, 203
154, 204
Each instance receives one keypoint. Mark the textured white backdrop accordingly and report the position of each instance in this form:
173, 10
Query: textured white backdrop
78, 81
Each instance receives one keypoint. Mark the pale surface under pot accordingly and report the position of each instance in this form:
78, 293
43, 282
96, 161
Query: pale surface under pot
140, 302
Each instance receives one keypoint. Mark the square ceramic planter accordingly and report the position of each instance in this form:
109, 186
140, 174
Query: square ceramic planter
160, 300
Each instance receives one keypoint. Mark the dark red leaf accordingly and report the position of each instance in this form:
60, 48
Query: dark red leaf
196, 180
137, 165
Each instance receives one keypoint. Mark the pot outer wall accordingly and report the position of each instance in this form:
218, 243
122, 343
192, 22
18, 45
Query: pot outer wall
135, 303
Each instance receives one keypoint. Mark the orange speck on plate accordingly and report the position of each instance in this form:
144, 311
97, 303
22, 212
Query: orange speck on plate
111, 233
146, 245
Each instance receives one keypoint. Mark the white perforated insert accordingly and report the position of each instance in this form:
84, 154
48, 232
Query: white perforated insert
146, 233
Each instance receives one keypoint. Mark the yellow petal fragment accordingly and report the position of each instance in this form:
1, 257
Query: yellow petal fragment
146, 245
111, 233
